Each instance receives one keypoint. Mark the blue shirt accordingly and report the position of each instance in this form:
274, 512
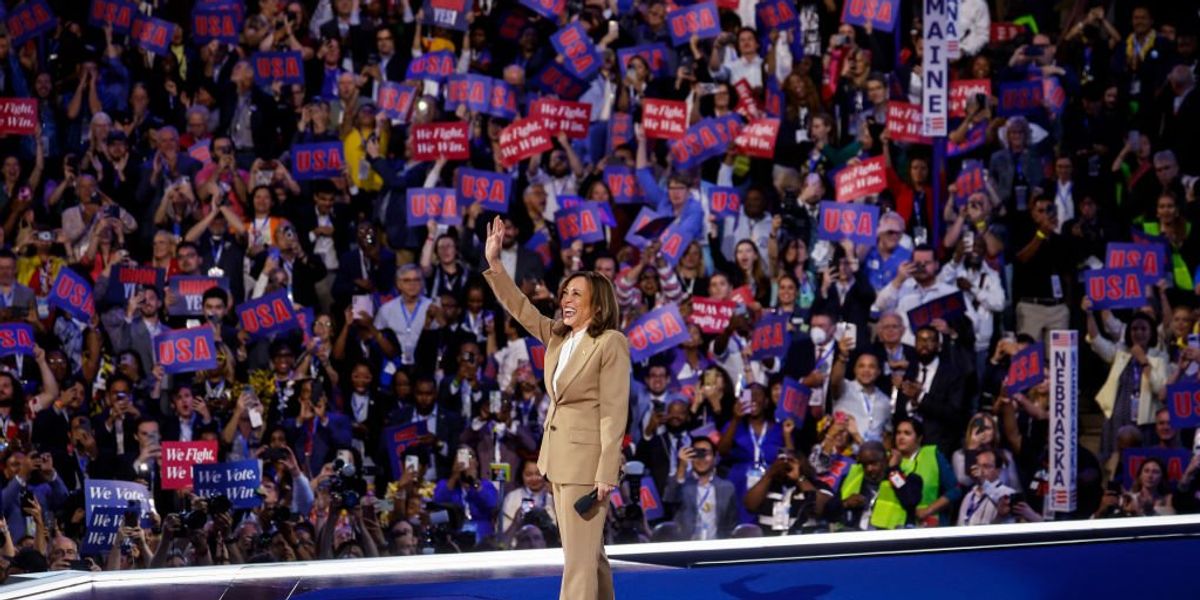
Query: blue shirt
690, 220
880, 272
481, 503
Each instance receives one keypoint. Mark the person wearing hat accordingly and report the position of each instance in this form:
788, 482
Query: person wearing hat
884, 260
366, 128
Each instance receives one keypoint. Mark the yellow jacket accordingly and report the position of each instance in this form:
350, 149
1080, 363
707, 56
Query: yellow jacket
354, 148
1154, 382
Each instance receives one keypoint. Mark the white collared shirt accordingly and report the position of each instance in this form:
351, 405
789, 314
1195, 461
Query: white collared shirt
564, 354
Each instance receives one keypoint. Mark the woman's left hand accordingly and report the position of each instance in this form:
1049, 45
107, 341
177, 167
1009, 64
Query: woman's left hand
603, 491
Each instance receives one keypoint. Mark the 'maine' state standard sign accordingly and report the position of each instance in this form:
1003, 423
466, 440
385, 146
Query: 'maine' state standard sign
1064, 411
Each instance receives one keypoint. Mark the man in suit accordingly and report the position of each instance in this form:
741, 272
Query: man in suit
659, 451
136, 328
368, 269
347, 29
1180, 117
16, 300
892, 354
324, 230
520, 264
705, 506
249, 116
932, 392
163, 170
444, 429
846, 294
441, 346
222, 255
303, 270
115, 426
191, 412
319, 430
52, 425
461, 391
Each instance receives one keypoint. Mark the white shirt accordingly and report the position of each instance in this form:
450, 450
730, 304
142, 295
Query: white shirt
926, 373
909, 296
872, 412
508, 258
1065, 203
985, 297
406, 325
564, 355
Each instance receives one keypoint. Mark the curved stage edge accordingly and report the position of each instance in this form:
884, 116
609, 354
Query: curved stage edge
1100, 559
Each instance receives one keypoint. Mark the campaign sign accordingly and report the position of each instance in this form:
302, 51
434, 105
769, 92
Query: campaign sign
1183, 402
537, 356
435, 66
963, 90
178, 458
488, 188
563, 116
105, 503
839, 466
643, 218
947, 308
1175, 459
793, 402
502, 101
770, 338
551, 9
451, 14
747, 103
117, 12
318, 160
704, 140
438, 204
269, 67
605, 209
664, 119
124, 281
399, 439
620, 130
1115, 288
471, 90
186, 350
848, 221
969, 181
773, 98
976, 137
657, 330
1025, 370
523, 139
238, 481
711, 316
583, 223
218, 22
152, 35
881, 14
648, 497
623, 185
201, 151
432, 141
396, 99
775, 15
267, 315
1055, 95
757, 138
700, 20
16, 338
742, 296
723, 201
655, 56
30, 20
577, 50
904, 123
1064, 419
1139, 236
862, 179
188, 292
1021, 98
999, 33
1151, 259
539, 243
73, 294
675, 241
556, 79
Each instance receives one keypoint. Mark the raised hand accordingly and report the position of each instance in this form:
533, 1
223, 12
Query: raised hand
495, 241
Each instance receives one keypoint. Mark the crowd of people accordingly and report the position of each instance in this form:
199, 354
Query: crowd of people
178, 156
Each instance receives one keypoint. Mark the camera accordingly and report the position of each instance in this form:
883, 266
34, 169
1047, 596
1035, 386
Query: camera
272, 455
345, 486
133, 511
629, 517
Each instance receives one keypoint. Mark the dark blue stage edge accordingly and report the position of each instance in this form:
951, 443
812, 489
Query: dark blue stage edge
1098, 559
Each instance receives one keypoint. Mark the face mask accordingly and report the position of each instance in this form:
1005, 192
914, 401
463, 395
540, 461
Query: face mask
819, 337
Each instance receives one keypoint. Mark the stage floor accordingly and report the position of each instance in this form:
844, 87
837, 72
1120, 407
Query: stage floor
1101, 559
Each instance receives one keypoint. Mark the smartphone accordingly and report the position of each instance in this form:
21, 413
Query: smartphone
273, 253
79, 565
412, 464
256, 418
362, 303
1135, 139
841, 40
112, 211
1033, 51
494, 402
746, 402
464, 457
844, 329
968, 237
981, 100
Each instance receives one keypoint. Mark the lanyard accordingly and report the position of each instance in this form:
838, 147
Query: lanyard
974, 505
702, 499
866, 400
757, 442
362, 263
821, 361
258, 229
6, 300
218, 250
410, 317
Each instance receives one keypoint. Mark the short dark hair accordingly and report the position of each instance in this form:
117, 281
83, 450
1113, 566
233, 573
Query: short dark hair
215, 292
705, 439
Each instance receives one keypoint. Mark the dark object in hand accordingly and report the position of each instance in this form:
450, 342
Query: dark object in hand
585, 504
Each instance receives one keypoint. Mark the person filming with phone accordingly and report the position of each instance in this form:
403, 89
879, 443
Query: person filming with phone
587, 375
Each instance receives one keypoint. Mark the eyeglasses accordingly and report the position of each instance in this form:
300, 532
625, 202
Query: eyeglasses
223, 148
410, 280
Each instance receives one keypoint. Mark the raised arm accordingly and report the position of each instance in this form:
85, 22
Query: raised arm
511, 298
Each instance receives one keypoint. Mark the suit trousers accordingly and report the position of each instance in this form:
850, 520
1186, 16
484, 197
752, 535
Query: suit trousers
586, 573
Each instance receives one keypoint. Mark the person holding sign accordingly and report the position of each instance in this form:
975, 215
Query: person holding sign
580, 453
1136, 380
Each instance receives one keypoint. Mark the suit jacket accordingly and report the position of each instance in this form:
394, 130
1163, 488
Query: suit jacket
382, 273
449, 432
23, 296
684, 496
229, 257
529, 265
943, 409
326, 439
856, 308
305, 275
1003, 171
586, 422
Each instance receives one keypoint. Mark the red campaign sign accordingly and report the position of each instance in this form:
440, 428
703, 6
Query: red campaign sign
1003, 32
523, 139
178, 458
963, 90
620, 130
711, 316
757, 139
441, 140
747, 104
743, 295
562, 116
18, 115
664, 119
863, 179
904, 123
